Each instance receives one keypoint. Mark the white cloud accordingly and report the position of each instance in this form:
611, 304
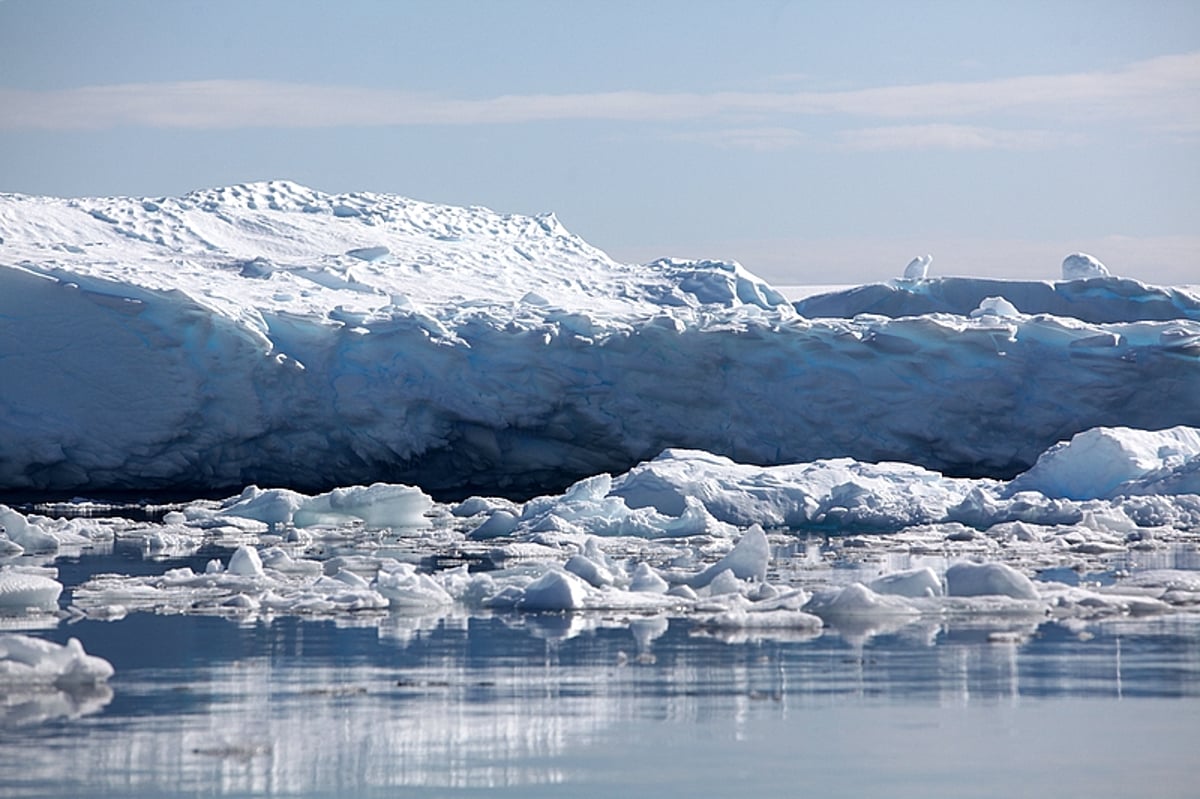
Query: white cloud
764, 139
1163, 90
953, 137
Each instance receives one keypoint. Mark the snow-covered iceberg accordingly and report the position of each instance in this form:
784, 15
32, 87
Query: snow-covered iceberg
271, 334
1096, 300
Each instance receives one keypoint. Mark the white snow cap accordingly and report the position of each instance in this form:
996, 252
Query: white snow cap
918, 267
1081, 266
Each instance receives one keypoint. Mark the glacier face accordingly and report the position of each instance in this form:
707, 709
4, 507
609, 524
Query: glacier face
271, 334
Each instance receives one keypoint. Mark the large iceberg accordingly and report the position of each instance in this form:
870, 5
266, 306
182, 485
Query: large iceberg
271, 334
1095, 300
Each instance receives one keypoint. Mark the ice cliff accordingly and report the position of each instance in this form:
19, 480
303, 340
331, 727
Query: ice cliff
272, 334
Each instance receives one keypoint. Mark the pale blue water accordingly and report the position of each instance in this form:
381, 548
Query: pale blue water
387, 705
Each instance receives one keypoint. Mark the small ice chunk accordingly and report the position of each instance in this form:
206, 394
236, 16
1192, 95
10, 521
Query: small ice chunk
500, 523
918, 268
725, 582
595, 573
25, 660
647, 580
914, 583
995, 306
747, 560
1081, 266
30, 537
245, 562
988, 579
21, 591
554, 590
856, 600
405, 588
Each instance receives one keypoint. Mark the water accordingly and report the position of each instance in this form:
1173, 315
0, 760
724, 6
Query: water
588, 705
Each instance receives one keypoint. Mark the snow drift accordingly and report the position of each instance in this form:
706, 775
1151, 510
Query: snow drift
272, 334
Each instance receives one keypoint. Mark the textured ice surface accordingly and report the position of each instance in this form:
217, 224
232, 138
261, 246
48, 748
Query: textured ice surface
270, 334
22, 591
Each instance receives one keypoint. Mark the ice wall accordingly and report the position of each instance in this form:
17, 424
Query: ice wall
274, 335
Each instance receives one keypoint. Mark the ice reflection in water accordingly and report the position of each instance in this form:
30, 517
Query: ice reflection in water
295, 707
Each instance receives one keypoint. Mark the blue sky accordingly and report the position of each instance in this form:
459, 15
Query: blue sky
813, 142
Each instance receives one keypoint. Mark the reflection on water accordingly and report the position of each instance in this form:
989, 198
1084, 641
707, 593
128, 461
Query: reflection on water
588, 705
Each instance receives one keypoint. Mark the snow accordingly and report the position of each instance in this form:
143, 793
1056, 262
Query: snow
269, 334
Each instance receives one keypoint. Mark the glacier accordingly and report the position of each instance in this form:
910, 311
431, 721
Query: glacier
272, 334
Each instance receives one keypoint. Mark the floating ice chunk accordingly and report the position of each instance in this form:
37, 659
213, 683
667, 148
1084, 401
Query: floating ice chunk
25, 660
856, 600
750, 619
647, 580
723, 583
30, 537
595, 574
273, 506
405, 588
988, 579
378, 505
1108, 461
245, 562
918, 268
500, 523
21, 591
1081, 266
914, 583
995, 306
746, 561
554, 590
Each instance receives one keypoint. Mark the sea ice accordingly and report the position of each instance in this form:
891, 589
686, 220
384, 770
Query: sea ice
25, 660
23, 591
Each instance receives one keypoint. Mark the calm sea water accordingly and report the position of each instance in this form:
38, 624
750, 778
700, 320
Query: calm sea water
592, 705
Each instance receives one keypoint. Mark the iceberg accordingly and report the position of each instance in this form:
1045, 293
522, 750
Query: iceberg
271, 334
1097, 301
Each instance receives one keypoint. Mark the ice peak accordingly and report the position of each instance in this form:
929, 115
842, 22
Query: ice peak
1081, 266
918, 268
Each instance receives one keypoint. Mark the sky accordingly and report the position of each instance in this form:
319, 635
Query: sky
814, 142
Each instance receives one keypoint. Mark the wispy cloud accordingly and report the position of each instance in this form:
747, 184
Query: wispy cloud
762, 139
1162, 91
954, 137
